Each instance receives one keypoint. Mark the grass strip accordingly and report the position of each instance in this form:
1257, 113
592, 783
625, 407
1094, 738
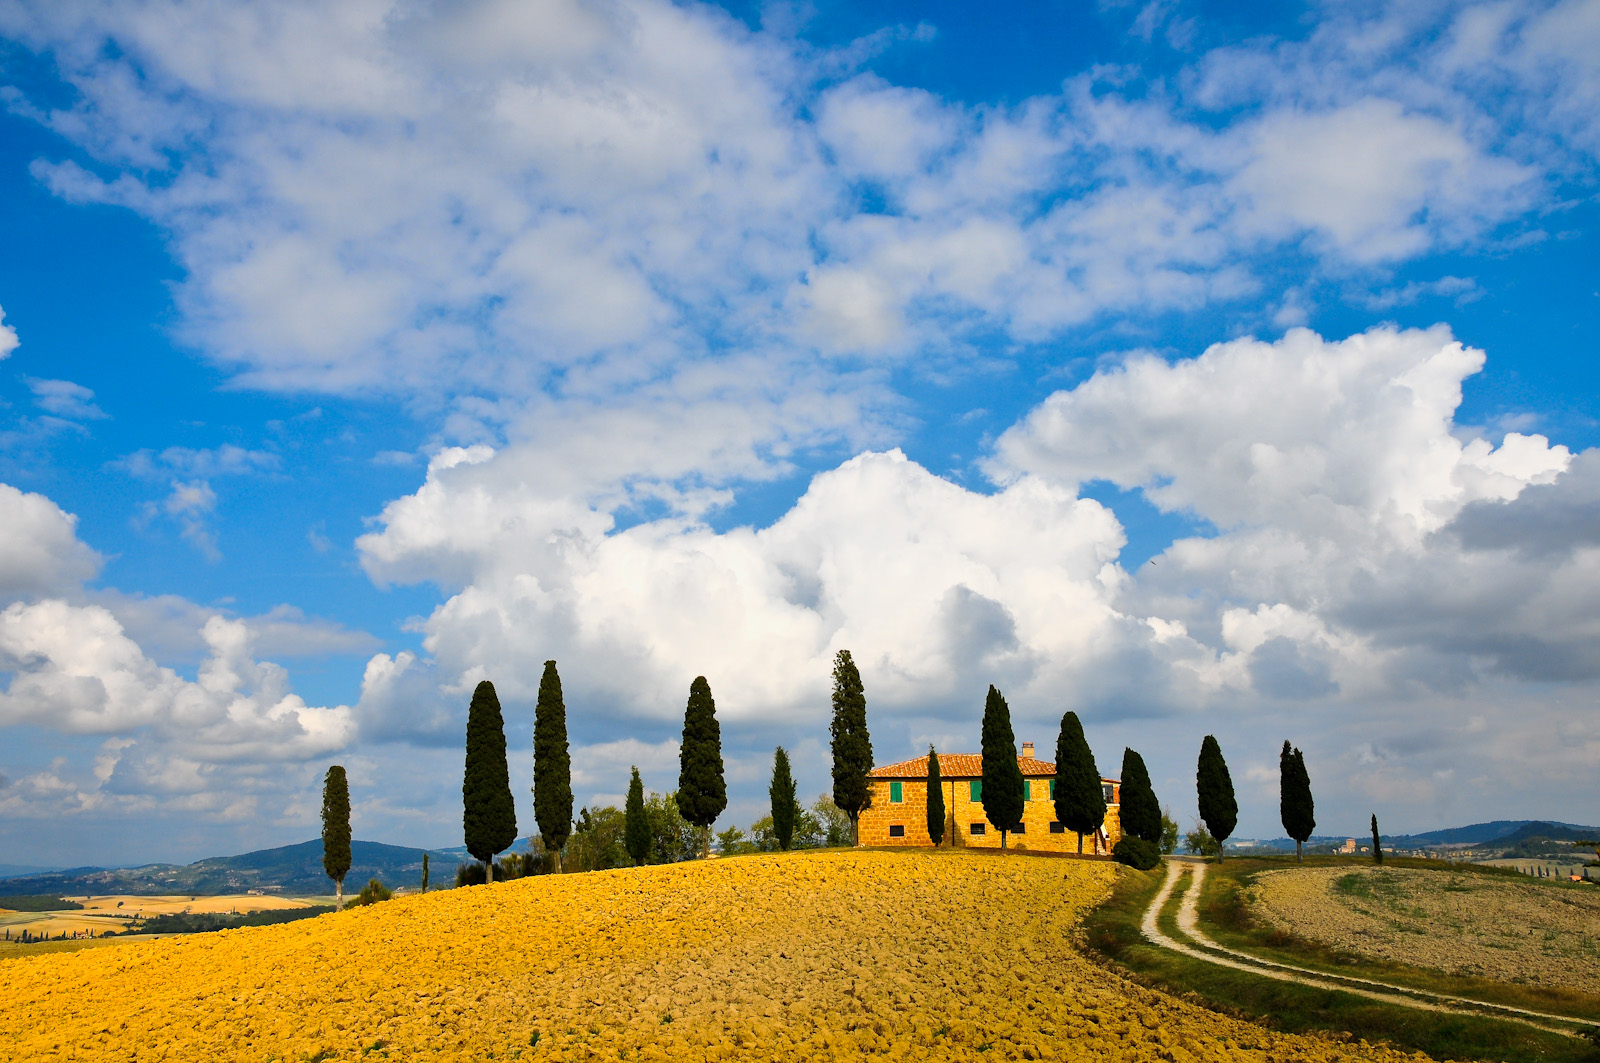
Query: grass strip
1112, 932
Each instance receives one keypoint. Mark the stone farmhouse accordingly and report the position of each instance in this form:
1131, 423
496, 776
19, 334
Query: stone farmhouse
898, 814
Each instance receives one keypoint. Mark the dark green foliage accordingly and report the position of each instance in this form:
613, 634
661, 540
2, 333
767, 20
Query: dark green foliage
636, 827
1080, 796
1294, 798
1200, 842
424, 872
672, 838
702, 793
935, 800
1136, 852
834, 827
373, 892
336, 827
852, 745
1141, 813
785, 809
1214, 788
471, 873
552, 763
597, 840
190, 923
1377, 843
1002, 776
39, 904
488, 817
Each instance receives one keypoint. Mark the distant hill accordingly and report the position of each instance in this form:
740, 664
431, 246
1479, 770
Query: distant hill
1500, 832
289, 870
1560, 832
15, 870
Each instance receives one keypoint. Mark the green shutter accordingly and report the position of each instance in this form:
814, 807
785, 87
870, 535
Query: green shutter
894, 793
1027, 789
977, 789
1052, 789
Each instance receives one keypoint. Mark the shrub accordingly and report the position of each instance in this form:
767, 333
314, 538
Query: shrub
373, 892
471, 874
1136, 852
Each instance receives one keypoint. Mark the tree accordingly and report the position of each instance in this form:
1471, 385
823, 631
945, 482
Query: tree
935, 800
424, 872
336, 829
1141, 813
672, 838
489, 816
1169, 831
1200, 842
1080, 796
636, 834
1294, 798
1377, 843
852, 745
1214, 787
833, 824
785, 809
702, 793
1002, 777
552, 764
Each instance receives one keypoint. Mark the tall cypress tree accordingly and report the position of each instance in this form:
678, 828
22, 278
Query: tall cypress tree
552, 764
1294, 798
785, 809
1002, 776
852, 745
336, 829
1377, 842
488, 816
1141, 813
636, 827
1080, 796
702, 793
935, 800
1214, 788
424, 872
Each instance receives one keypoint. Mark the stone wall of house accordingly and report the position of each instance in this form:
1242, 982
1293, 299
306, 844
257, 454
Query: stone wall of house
962, 813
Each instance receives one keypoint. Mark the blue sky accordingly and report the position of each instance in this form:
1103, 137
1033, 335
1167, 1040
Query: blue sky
1199, 368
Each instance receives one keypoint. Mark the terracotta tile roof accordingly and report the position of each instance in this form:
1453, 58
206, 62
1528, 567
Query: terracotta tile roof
963, 766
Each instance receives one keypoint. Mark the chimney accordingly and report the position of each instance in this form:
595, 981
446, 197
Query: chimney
1027, 750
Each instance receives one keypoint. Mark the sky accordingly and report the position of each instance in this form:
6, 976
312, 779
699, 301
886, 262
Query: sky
1199, 368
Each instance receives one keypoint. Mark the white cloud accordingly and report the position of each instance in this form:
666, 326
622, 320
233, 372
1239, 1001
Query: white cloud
40, 552
8, 338
65, 399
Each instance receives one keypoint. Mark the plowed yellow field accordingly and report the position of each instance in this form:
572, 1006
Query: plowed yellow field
806, 956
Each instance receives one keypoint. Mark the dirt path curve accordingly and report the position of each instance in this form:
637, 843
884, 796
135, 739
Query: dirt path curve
1211, 952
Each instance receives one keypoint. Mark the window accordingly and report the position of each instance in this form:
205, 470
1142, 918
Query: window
1056, 828
897, 830
1109, 792
977, 829
1027, 789
894, 795
1052, 789
1020, 828
977, 789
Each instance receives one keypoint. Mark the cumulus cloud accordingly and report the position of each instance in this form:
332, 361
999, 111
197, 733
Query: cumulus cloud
40, 552
64, 399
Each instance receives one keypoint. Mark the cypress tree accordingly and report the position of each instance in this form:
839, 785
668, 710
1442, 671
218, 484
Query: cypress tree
1294, 798
702, 793
1214, 787
552, 764
336, 829
1377, 843
636, 829
785, 809
489, 816
1002, 776
1141, 812
935, 800
424, 872
1080, 796
852, 745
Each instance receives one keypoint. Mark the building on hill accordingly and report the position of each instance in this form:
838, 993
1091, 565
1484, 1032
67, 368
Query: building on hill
898, 814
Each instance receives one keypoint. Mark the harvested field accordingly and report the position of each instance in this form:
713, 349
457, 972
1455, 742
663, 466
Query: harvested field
112, 914
1461, 922
800, 956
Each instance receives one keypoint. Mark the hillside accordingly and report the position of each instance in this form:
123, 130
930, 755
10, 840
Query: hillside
948, 955
288, 869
